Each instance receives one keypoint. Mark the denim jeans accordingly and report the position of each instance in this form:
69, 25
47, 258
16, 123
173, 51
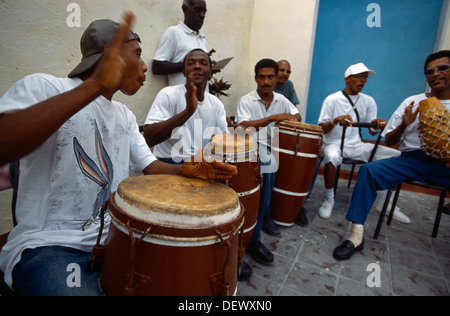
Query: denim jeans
55, 271
269, 168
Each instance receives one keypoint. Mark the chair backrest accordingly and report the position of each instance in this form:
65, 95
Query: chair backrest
362, 125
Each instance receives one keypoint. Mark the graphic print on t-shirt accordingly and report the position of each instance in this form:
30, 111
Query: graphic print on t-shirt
102, 175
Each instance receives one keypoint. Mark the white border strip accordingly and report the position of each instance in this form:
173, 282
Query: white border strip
292, 153
304, 135
290, 193
249, 192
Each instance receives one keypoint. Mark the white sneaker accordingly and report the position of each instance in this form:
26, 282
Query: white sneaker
326, 209
399, 216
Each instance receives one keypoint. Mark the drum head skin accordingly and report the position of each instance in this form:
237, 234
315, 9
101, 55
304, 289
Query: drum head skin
232, 143
176, 201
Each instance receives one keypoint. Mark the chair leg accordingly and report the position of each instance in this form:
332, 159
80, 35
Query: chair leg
394, 204
351, 176
383, 214
439, 213
336, 180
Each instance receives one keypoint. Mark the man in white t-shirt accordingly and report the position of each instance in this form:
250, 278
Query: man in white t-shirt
260, 110
179, 40
185, 117
345, 108
75, 146
413, 164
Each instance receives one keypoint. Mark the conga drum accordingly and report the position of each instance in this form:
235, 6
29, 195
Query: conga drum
172, 236
242, 152
298, 150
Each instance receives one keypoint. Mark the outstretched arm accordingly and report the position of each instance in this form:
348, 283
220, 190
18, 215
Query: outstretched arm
40, 121
196, 167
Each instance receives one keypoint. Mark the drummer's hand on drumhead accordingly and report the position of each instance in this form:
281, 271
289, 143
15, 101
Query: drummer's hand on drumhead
207, 169
281, 117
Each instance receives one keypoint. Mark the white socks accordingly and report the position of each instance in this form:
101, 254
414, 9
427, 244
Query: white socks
357, 234
329, 194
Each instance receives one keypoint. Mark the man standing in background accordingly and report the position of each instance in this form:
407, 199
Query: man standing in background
285, 86
177, 41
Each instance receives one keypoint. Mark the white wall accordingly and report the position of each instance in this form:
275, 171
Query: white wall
443, 37
35, 38
284, 29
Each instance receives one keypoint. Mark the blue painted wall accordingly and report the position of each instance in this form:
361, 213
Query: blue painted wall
396, 50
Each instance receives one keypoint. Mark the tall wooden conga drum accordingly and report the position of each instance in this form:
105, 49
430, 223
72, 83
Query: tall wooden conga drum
298, 150
242, 152
172, 236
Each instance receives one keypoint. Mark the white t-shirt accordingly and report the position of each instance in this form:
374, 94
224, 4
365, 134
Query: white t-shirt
251, 107
176, 42
410, 139
208, 120
337, 105
66, 180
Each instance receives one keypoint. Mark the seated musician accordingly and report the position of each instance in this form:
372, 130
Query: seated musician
259, 109
183, 118
345, 108
413, 164
75, 146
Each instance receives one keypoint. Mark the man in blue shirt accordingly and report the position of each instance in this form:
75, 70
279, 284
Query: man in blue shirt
284, 85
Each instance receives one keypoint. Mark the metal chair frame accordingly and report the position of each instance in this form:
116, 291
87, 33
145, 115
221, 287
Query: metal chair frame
354, 162
397, 190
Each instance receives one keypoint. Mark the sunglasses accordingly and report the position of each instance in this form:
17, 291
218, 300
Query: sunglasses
442, 68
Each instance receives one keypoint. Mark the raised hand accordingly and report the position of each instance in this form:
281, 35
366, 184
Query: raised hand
110, 69
191, 94
409, 117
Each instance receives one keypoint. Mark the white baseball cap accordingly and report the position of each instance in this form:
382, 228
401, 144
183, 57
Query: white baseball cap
358, 69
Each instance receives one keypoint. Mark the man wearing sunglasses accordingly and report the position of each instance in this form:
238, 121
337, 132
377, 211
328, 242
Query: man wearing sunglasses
413, 164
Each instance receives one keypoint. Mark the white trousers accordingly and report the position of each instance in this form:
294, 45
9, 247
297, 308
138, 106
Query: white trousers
332, 153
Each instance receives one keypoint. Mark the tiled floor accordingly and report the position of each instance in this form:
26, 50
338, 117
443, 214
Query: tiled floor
410, 261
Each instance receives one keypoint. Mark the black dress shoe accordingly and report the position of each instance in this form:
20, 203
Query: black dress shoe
269, 227
260, 253
346, 250
245, 273
301, 219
